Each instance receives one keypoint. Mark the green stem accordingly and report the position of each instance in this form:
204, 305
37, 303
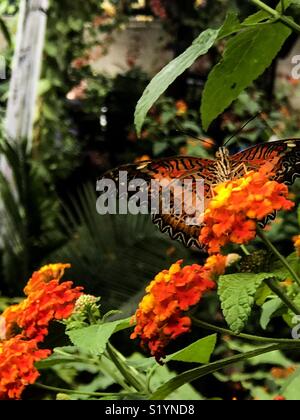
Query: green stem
275, 251
273, 284
245, 250
193, 374
102, 365
149, 377
72, 391
105, 367
211, 327
286, 20
130, 374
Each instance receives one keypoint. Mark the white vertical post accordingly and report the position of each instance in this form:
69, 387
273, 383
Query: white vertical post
26, 70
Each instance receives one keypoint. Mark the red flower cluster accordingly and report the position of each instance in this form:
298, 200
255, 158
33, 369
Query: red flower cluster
160, 317
237, 206
26, 325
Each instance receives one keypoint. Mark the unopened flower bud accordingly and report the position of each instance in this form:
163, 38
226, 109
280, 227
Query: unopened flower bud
85, 302
232, 259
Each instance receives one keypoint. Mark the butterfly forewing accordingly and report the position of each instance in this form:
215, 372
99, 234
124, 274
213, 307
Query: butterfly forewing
167, 171
280, 158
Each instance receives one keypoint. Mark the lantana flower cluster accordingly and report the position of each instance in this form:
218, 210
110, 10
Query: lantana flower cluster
161, 317
25, 325
297, 244
238, 205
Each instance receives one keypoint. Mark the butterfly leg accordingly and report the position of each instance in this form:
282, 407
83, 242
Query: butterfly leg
211, 187
238, 169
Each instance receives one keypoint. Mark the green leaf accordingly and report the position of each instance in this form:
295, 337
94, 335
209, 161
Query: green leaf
44, 86
191, 375
298, 215
198, 352
291, 389
161, 374
95, 338
263, 293
175, 68
122, 324
237, 293
246, 57
185, 393
53, 361
60, 355
289, 316
276, 358
269, 308
230, 26
281, 272
5, 31
169, 74
287, 3
257, 17
262, 15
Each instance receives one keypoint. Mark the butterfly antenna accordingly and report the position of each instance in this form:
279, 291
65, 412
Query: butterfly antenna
186, 133
242, 128
269, 127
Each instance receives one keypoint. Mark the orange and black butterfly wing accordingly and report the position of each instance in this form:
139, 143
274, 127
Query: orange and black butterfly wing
168, 170
280, 158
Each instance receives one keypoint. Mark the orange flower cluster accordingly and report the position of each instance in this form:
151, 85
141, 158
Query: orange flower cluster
17, 358
160, 317
296, 240
282, 373
238, 205
47, 300
25, 325
181, 108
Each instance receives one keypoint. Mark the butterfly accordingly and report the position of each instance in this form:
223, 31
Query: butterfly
280, 158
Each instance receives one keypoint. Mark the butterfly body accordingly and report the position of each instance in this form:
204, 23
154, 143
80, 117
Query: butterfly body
280, 159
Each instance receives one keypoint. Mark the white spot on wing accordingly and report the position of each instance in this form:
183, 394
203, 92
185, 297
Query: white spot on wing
144, 165
291, 144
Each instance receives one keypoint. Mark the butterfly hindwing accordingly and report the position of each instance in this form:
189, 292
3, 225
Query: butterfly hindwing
179, 230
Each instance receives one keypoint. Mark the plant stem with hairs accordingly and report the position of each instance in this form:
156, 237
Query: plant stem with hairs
277, 15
